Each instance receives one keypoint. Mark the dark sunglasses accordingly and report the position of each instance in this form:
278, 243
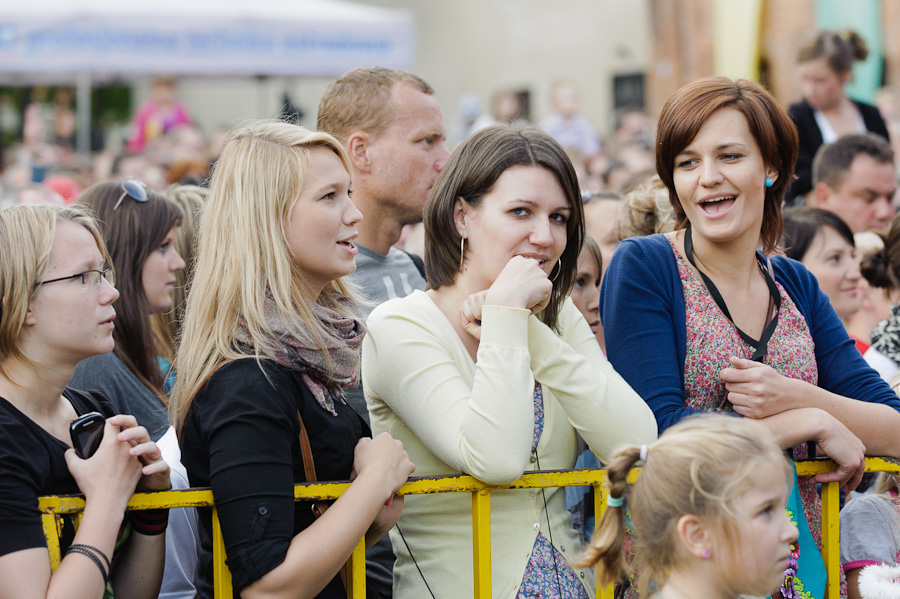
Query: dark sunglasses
136, 190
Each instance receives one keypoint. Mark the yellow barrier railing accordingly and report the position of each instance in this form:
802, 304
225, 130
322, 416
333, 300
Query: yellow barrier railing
52, 506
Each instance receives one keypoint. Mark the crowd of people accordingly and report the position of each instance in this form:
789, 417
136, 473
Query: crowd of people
359, 303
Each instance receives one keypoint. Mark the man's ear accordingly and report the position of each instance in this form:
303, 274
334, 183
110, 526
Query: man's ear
461, 216
358, 145
822, 193
694, 536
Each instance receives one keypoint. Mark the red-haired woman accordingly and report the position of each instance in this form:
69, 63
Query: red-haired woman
700, 320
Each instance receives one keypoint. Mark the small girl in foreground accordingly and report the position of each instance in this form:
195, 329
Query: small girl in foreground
708, 510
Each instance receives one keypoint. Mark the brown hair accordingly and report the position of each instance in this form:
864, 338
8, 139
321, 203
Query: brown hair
360, 100
840, 49
801, 225
132, 231
590, 246
881, 267
701, 466
471, 172
688, 109
832, 161
190, 198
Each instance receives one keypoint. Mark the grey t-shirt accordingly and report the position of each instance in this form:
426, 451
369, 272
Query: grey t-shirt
381, 277
870, 532
109, 375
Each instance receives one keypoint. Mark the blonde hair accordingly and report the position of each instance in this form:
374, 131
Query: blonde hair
26, 240
701, 466
888, 482
645, 211
360, 100
243, 256
190, 198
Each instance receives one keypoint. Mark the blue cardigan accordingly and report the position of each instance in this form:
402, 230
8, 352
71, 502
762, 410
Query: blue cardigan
643, 315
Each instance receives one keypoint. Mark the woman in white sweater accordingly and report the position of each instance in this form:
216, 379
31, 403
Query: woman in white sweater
491, 371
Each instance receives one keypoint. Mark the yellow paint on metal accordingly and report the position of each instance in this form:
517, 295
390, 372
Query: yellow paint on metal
221, 574
52, 506
831, 549
882, 465
481, 542
356, 572
51, 533
600, 507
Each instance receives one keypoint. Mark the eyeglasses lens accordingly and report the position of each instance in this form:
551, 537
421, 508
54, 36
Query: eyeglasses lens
93, 278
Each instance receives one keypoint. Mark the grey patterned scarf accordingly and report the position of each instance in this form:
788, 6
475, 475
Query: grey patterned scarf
305, 354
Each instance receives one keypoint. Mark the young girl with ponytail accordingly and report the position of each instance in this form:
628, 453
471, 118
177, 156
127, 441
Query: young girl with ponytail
708, 509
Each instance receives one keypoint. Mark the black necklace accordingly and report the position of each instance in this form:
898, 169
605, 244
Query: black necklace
760, 347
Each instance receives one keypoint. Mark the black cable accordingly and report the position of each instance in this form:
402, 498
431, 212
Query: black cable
408, 550
549, 528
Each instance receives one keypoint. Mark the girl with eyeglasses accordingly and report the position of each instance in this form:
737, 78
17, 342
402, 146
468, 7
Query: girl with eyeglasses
56, 308
138, 226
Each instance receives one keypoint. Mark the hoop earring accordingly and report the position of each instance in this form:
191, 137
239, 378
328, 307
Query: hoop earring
462, 251
558, 270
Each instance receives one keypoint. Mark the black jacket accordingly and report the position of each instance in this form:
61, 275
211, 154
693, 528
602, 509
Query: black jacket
811, 139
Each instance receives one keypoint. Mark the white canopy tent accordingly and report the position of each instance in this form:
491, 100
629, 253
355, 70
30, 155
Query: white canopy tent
81, 41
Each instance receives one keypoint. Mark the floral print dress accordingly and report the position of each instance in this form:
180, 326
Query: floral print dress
547, 575
712, 338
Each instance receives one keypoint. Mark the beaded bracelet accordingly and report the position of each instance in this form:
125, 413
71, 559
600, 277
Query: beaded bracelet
83, 550
149, 522
97, 552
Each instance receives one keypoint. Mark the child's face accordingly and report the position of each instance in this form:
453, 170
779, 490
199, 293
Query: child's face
765, 534
585, 293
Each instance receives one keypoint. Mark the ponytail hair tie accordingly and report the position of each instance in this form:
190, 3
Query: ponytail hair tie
644, 451
614, 501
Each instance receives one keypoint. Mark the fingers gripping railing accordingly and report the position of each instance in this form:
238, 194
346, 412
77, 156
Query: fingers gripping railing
53, 506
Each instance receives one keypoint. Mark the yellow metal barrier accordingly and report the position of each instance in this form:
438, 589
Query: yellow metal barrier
52, 506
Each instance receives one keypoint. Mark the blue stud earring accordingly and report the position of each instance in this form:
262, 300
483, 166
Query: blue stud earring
770, 181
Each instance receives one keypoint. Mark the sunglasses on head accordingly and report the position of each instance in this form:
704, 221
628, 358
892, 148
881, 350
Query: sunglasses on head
134, 189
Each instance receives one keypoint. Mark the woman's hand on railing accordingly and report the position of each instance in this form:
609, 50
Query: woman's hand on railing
155, 470
841, 445
383, 459
111, 474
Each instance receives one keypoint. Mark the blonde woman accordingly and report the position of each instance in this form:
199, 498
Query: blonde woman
271, 339
56, 309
